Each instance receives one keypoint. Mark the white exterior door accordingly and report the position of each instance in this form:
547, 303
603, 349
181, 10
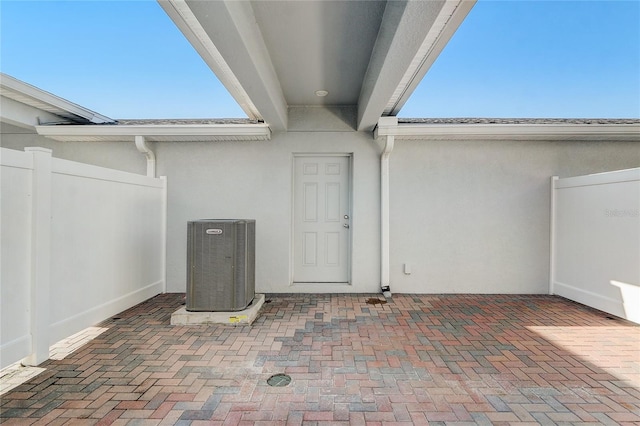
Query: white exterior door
321, 219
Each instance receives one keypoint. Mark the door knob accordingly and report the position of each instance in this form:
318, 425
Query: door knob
346, 225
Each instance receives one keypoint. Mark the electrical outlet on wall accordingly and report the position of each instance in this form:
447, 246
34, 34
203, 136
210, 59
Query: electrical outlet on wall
407, 269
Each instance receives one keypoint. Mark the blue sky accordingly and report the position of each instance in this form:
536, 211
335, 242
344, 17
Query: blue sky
123, 59
554, 59
126, 59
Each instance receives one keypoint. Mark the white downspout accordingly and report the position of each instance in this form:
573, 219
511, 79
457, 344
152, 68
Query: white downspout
384, 216
142, 146
385, 283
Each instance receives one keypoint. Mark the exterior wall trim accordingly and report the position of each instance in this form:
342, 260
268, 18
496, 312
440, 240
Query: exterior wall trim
128, 133
528, 132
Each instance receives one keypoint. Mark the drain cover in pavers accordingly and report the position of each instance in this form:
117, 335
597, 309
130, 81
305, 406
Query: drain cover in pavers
279, 380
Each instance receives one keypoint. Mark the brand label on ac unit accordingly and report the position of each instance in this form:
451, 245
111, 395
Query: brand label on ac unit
214, 231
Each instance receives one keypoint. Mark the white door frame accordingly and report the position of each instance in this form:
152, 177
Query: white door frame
321, 287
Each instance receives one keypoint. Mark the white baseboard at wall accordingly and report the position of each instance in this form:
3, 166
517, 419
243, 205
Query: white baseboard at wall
15, 350
96, 314
594, 300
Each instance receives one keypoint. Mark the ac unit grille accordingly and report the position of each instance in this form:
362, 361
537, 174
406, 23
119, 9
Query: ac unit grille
220, 264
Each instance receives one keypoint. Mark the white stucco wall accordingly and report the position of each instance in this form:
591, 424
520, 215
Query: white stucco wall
468, 216
473, 216
253, 180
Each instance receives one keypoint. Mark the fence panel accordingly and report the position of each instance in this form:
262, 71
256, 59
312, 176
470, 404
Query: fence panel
16, 170
596, 241
107, 242
99, 249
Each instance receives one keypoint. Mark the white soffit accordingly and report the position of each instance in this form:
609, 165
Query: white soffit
514, 132
320, 46
23, 115
158, 133
27, 94
274, 55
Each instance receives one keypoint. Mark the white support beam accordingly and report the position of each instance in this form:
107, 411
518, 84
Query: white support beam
185, 20
230, 42
446, 24
411, 36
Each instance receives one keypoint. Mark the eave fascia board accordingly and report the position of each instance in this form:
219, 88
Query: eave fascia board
547, 132
12, 84
130, 132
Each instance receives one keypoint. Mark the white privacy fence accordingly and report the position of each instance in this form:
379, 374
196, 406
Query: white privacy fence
595, 255
79, 243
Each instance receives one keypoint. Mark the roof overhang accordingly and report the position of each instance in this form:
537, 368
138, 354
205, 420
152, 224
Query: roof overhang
513, 132
245, 70
158, 133
276, 56
54, 107
410, 40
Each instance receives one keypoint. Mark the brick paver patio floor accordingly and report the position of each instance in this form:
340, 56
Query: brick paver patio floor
419, 359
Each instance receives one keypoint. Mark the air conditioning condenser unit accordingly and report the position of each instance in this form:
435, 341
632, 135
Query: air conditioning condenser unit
220, 264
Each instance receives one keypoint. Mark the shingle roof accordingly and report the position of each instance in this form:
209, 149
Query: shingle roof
187, 121
519, 120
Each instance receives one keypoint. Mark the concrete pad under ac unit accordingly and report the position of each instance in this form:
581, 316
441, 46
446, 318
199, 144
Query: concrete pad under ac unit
244, 317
